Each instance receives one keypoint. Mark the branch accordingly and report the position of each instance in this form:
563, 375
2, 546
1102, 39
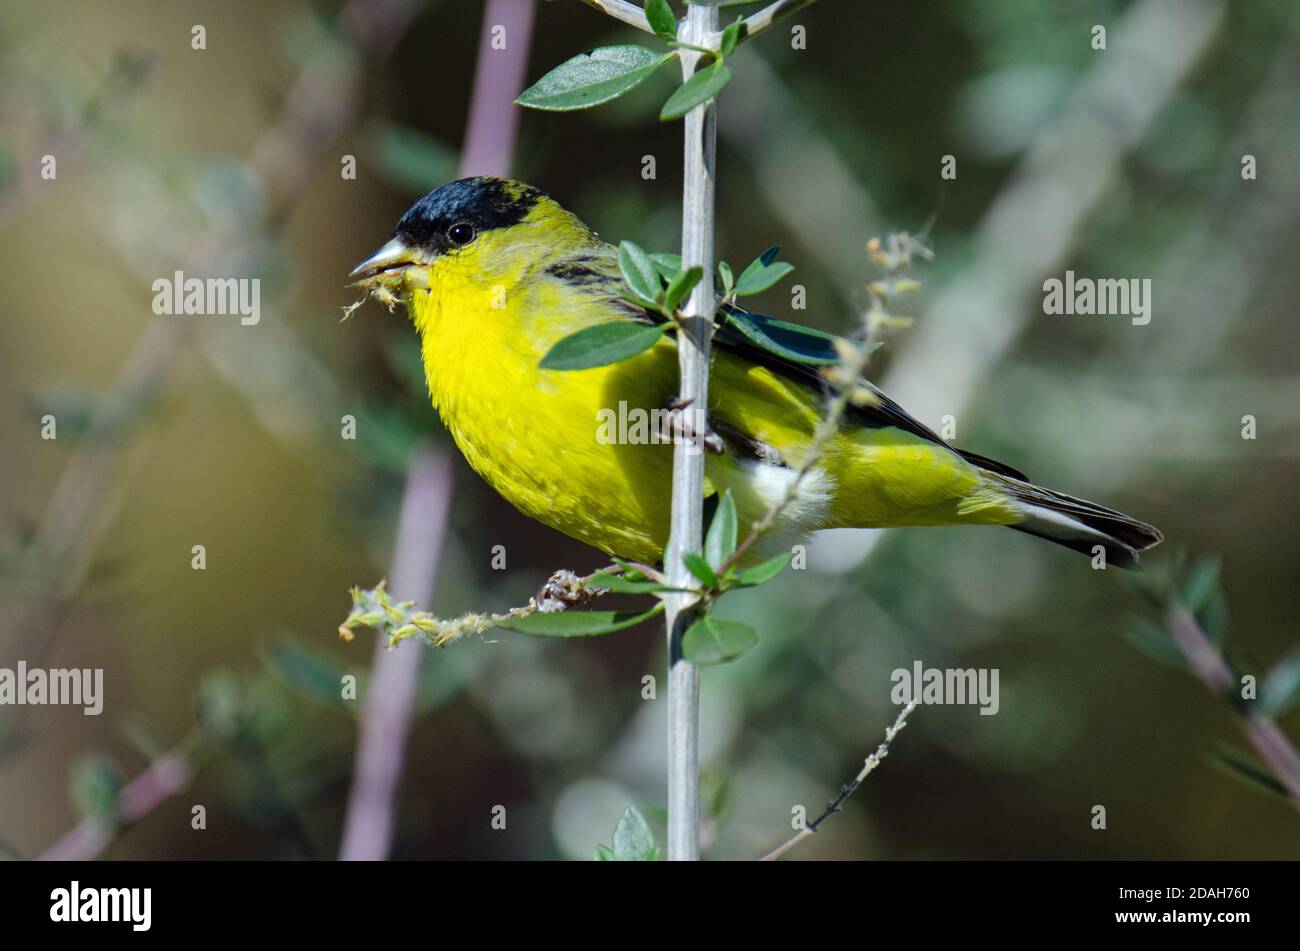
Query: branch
390, 698
895, 255
693, 340
167, 776
398, 621
390, 703
314, 112
629, 13
83, 502
1209, 665
125, 78
756, 23
853, 368
849, 789
980, 313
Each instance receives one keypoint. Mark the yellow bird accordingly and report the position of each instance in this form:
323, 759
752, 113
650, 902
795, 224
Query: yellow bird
494, 273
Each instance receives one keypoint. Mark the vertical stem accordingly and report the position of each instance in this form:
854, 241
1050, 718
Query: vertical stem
688, 459
390, 703
395, 677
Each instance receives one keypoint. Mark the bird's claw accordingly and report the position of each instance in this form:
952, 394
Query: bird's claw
562, 590
691, 426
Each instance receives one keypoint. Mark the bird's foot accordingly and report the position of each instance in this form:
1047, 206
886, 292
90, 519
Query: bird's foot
563, 590
691, 426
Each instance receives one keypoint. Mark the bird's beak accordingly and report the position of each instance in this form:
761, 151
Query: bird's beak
388, 265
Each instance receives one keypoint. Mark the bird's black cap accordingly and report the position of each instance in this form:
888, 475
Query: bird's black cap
484, 203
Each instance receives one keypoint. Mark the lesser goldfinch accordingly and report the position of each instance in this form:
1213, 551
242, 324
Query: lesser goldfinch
494, 272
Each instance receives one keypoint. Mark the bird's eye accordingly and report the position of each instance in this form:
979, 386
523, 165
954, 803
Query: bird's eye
462, 232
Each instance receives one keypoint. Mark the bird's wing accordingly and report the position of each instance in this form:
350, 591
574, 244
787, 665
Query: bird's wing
792, 351
805, 353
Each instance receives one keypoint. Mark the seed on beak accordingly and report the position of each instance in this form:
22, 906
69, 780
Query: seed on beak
390, 265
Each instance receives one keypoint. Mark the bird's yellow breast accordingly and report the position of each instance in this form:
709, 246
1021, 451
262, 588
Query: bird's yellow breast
536, 435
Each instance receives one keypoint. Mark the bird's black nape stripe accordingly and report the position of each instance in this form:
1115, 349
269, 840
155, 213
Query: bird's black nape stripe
580, 273
483, 202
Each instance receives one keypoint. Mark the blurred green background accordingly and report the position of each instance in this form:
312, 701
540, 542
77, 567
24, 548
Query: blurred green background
1117, 163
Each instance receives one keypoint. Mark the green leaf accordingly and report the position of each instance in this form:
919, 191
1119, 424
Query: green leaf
603, 344
720, 541
1213, 617
97, 782
699, 89
764, 571
605, 854
730, 37
792, 341
700, 568
1279, 694
589, 79
639, 272
630, 571
617, 584
763, 279
667, 264
578, 623
661, 18
1154, 641
1243, 766
709, 641
1201, 583
728, 279
681, 286
633, 840
309, 672
761, 274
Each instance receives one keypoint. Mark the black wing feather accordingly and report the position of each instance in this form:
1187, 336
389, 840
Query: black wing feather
884, 413
726, 337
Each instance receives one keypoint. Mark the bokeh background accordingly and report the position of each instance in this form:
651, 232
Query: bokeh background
173, 432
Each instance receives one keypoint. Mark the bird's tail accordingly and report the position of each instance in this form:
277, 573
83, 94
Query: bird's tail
1079, 524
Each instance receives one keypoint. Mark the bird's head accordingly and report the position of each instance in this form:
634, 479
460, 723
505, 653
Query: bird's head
475, 232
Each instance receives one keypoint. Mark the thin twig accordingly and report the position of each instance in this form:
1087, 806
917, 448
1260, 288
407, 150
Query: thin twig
756, 23
1209, 665
826, 429
166, 776
849, 789
314, 112
895, 255
126, 76
629, 13
977, 314
402, 620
